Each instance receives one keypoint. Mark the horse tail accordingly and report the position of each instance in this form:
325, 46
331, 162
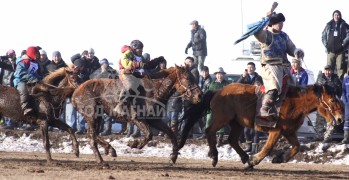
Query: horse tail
193, 114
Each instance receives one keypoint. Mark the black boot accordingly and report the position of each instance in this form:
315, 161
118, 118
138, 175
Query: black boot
268, 104
254, 149
248, 146
346, 137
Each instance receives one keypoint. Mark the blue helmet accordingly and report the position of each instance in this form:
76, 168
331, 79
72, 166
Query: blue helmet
136, 44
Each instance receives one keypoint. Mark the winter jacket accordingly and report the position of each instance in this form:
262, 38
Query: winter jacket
43, 67
217, 85
7, 70
26, 71
198, 42
343, 33
256, 80
333, 82
174, 104
204, 83
52, 66
92, 65
301, 78
194, 71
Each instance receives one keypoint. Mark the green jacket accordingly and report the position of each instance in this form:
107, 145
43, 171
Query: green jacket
216, 85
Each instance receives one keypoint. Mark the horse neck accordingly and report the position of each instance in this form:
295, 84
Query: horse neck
308, 100
163, 88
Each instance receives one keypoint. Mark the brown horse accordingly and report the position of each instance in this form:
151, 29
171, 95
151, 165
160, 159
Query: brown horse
235, 106
104, 94
48, 98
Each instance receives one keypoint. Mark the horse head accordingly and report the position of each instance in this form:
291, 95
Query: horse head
330, 106
185, 84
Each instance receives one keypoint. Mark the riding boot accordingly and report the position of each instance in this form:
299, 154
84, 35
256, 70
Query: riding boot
248, 146
268, 110
254, 148
24, 99
346, 137
220, 140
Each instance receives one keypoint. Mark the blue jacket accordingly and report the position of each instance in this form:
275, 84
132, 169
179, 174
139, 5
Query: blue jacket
302, 79
26, 71
345, 90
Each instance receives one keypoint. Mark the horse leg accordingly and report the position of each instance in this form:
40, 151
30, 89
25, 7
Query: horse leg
286, 156
212, 141
273, 137
235, 132
161, 126
63, 126
143, 127
45, 138
91, 131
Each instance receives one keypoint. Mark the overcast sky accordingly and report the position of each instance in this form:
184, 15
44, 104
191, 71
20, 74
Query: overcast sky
72, 26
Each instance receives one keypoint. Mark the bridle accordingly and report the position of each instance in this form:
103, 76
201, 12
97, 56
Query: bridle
327, 107
188, 90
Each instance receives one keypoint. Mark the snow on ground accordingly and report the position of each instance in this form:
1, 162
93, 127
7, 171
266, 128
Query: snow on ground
189, 151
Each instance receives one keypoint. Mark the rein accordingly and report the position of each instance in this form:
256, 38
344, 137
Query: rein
326, 106
188, 90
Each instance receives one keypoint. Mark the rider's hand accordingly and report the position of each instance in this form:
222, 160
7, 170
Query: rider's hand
186, 50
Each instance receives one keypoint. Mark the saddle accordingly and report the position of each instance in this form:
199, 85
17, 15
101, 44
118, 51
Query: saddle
260, 92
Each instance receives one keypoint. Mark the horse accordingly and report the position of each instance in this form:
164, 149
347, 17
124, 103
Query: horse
235, 106
48, 98
104, 94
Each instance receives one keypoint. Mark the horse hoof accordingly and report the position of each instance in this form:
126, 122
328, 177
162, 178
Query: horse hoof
77, 154
277, 160
249, 167
214, 161
244, 159
253, 161
105, 165
174, 158
112, 152
325, 146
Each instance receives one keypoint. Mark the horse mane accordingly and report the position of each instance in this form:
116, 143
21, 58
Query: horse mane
294, 91
54, 77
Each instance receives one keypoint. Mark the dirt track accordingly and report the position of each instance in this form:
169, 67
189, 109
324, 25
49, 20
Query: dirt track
14, 165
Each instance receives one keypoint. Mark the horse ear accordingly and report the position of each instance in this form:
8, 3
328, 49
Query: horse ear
176, 66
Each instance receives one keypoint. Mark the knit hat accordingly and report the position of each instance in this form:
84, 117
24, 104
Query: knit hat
80, 62
91, 50
33, 52
194, 22
104, 61
10, 52
276, 18
42, 52
56, 53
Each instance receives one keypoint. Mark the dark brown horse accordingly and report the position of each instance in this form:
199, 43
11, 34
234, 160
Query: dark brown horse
235, 106
104, 94
49, 96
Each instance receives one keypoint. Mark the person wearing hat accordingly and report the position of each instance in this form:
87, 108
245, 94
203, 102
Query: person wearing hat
275, 46
300, 76
26, 75
198, 44
43, 63
7, 69
332, 80
57, 62
219, 83
335, 38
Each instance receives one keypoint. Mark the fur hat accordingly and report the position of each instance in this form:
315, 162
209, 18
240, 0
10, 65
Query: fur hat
276, 18
220, 70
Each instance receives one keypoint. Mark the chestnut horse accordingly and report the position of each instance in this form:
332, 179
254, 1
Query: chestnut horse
235, 106
48, 98
104, 94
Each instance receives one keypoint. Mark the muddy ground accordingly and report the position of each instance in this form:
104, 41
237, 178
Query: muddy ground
19, 165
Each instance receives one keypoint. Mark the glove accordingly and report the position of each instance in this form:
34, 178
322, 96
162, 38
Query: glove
186, 50
137, 65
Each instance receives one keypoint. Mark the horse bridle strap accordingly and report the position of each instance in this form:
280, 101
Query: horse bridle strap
187, 90
326, 106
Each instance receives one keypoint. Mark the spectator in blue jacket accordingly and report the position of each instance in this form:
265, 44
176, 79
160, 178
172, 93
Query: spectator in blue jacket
299, 75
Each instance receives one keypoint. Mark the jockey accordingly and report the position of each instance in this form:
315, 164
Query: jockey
27, 75
275, 45
132, 66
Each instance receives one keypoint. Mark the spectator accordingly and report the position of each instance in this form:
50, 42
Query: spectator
92, 62
345, 98
335, 38
189, 62
173, 110
7, 69
57, 62
105, 71
250, 76
198, 44
275, 44
332, 80
219, 83
43, 63
205, 80
26, 75
300, 76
